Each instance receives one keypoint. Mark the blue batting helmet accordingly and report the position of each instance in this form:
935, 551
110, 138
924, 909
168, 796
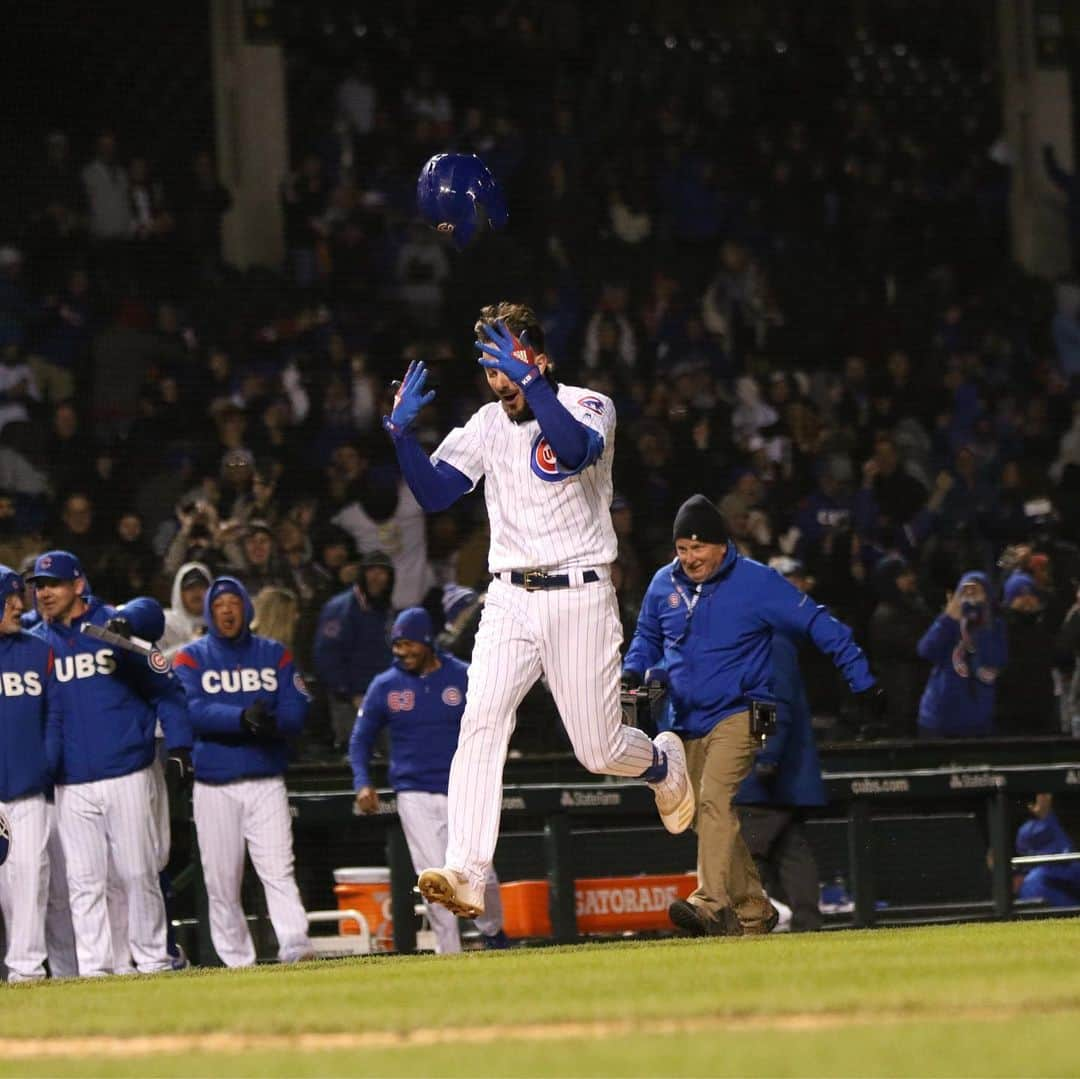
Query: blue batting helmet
455, 190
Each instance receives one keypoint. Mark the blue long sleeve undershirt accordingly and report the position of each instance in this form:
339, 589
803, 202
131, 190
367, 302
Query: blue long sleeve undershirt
436, 486
576, 446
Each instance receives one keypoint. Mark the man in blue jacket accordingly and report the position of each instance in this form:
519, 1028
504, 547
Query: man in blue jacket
968, 647
710, 617
785, 778
25, 662
99, 745
246, 701
421, 699
351, 641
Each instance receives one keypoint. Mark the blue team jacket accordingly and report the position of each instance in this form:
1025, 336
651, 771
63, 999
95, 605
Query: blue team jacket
958, 701
352, 643
792, 748
108, 699
221, 677
720, 657
25, 662
424, 716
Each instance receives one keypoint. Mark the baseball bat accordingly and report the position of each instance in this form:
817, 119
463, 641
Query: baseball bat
129, 644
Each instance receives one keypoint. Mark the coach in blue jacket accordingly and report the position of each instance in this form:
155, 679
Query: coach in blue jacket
246, 701
786, 777
968, 647
709, 617
25, 662
99, 744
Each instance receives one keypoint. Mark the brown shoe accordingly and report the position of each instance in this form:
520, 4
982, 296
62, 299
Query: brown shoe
761, 929
697, 922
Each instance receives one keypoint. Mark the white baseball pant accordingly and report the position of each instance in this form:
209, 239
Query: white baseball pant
252, 813
113, 819
423, 816
24, 888
59, 932
570, 635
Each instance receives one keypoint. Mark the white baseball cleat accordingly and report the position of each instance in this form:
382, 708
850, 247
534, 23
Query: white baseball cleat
674, 793
453, 890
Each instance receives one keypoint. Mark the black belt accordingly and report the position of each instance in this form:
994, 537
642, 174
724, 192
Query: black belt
533, 580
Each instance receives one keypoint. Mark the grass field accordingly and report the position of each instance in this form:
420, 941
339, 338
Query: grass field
986, 1000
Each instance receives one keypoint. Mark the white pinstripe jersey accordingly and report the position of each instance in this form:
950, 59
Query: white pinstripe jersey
541, 516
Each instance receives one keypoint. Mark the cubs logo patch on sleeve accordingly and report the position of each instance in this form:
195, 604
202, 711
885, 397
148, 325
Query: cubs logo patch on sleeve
157, 662
593, 404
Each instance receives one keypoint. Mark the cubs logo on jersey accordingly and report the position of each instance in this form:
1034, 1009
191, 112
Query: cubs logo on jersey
240, 680
593, 404
157, 662
543, 461
19, 684
401, 700
452, 696
85, 665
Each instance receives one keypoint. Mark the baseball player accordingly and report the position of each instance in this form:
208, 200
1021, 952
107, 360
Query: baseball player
99, 745
545, 452
245, 699
25, 661
421, 698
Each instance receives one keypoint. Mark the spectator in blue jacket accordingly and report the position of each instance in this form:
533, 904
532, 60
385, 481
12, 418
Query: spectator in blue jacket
967, 646
247, 702
1057, 884
352, 641
420, 699
25, 662
711, 616
786, 777
99, 745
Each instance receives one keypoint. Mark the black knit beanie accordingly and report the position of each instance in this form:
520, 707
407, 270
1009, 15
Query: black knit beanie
698, 519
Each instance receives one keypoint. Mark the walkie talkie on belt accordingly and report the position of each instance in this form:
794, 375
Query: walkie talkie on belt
762, 720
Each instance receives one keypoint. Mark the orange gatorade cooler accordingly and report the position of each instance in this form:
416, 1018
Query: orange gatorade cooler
366, 889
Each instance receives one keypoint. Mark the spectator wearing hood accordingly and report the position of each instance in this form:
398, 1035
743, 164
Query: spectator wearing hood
897, 624
184, 619
968, 649
1025, 691
352, 642
246, 702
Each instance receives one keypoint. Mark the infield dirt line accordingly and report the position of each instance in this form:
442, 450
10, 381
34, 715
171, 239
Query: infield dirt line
222, 1042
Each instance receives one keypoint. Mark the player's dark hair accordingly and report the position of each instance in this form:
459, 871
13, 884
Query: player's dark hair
517, 316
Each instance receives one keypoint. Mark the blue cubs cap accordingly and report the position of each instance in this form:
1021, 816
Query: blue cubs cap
56, 566
459, 190
413, 624
10, 583
1019, 584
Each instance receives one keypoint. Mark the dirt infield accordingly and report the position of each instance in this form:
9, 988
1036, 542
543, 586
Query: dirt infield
220, 1042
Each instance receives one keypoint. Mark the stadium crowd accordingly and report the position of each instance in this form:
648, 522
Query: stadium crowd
802, 304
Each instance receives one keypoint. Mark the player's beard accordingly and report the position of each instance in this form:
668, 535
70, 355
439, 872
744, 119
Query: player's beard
526, 414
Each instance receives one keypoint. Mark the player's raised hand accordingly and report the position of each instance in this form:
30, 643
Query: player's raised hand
514, 356
409, 400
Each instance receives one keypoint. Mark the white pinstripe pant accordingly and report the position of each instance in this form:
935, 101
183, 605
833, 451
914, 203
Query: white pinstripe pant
107, 825
252, 813
24, 888
572, 635
423, 817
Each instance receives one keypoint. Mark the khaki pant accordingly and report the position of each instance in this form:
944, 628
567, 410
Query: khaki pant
727, 876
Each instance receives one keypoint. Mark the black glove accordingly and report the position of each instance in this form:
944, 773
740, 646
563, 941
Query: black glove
766, 771
630, 680
257, 719
178, 764
119, 626
872, 704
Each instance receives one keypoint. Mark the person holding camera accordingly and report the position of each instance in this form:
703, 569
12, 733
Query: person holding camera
967, 646
246, 700
710, 618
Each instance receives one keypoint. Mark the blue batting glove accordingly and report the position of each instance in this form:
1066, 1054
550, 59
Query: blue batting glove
409, 400
516, 358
